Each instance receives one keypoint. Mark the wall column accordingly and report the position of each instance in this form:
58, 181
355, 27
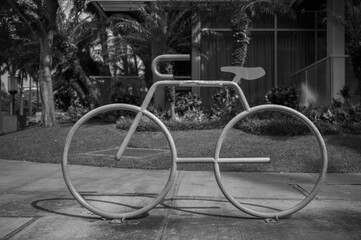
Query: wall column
335, 49
1, 115
196, 56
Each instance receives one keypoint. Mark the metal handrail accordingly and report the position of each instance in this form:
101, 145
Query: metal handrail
100, 77
316, 63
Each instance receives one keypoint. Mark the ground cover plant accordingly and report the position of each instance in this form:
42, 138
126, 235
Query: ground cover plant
342, 116
339, 117
46, 145
284, 139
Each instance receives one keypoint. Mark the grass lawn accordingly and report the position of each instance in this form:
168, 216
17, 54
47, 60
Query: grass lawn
288, 154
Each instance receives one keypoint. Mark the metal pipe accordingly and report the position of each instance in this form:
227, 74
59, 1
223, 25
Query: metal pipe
167, 57
223, 160
130, 133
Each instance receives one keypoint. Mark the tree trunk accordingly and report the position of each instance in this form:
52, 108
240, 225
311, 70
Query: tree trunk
105, 71
1, 117
46, 87
159, 96
172, 106
21, 98
30, 97
37, 96
240, 32
90, 95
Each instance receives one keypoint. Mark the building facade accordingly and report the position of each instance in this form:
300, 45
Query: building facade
304, 51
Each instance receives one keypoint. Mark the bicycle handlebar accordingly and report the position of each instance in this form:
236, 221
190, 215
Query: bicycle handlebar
247, 73
167, 57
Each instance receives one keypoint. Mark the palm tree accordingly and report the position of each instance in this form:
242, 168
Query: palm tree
84, 38
74, 38
18, 52
351, 22
243, 12
159, 28
40, 18
17, 48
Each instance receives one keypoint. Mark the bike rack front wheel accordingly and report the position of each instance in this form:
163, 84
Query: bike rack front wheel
86, 203
322, 152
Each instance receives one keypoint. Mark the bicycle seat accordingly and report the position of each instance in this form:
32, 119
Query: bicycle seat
247, 73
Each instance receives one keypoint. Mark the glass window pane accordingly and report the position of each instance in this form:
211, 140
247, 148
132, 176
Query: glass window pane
302, 20
321, 45
219, 17
216, 52
321, 20
296, 50
262, 21
260, 54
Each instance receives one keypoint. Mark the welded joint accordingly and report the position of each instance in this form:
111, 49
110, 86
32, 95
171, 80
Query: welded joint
117, 220
272, 220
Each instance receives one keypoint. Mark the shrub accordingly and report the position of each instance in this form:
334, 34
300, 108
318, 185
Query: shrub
273, 124
287, 96
76, 111
352, 127
190, 116
159, 113
125, 98
341, 116
147, 125
342, 111
195, 115
187, 102
327, 128
225, 104
345, 93
188, 108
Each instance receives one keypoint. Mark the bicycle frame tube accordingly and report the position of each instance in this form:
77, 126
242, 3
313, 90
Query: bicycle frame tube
166, 81
195, 83
174, 83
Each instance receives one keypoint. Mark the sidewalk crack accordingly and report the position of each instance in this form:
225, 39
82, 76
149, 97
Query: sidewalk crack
174, 190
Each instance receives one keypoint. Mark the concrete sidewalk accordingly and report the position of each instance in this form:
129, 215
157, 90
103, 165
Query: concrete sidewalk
35, 204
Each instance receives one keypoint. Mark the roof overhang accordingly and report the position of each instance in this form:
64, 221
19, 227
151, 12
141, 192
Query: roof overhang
118, 5
108, 6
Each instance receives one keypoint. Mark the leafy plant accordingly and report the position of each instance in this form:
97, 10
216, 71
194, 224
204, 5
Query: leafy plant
76, 111
187, 102
146, 125
345, 93
225, 104
351, 21
123, 94
342, 110
287, 96
188, 108
242, 15
341, 116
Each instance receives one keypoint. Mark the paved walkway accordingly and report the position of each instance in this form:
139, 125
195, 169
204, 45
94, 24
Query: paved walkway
35, 204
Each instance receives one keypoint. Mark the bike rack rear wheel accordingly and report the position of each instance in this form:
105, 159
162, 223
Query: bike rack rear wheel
322, 153
91, 207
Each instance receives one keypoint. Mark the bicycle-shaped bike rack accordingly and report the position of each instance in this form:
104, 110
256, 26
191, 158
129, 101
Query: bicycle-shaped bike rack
244, 73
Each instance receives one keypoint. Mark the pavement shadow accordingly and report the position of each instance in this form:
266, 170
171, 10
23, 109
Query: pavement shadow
202, 210
56, 206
